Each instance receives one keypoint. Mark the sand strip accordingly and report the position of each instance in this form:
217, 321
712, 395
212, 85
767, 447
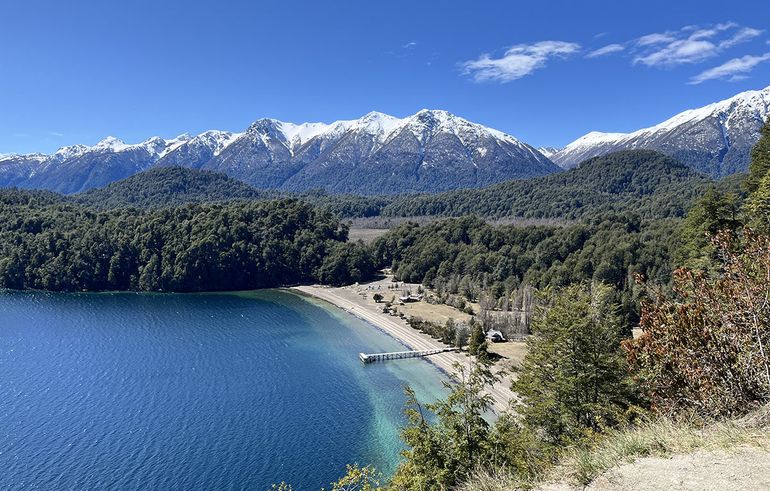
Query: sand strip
352, 303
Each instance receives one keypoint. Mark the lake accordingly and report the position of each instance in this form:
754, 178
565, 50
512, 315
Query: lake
194, 391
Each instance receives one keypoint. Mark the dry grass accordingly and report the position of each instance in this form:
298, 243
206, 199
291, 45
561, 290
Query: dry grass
437, 313
661, 438
580, 466
367, 235
513, 353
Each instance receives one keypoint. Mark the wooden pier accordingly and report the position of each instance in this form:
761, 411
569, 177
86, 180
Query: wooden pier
398, 355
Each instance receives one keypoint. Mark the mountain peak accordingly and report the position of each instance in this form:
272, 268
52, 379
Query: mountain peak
110, 143
715, 139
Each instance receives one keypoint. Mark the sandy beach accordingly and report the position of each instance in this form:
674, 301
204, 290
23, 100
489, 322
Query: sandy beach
349, 299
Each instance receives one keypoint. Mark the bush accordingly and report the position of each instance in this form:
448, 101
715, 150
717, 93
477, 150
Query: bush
706, 347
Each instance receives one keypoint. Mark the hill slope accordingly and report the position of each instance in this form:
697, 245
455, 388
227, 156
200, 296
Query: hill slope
646, 182
169, 186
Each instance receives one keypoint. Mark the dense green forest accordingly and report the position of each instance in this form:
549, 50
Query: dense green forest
170, 186
49, 245
470, 257
648, 183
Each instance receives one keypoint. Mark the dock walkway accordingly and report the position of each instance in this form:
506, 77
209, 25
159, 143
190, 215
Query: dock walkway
397, 355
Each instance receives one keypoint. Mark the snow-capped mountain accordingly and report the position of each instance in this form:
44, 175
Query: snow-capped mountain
715, 139
79, 167
195, 151
428, 151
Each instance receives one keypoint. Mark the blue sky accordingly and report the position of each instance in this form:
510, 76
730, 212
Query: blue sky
545, 72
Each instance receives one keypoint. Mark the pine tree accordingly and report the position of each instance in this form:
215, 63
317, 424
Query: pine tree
712, 213
440, 455
760, 159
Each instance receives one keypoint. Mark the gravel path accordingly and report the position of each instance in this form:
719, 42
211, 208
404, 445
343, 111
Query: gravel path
737, 469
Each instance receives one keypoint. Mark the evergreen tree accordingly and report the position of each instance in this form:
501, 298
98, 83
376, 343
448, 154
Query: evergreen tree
713, 212
758, 207
574, 378
760, 159
441, 455
477, 342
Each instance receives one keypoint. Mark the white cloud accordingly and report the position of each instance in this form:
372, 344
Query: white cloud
55, 133
744, 34
410, 44
691, 44
732, 70
518, 61
605, 50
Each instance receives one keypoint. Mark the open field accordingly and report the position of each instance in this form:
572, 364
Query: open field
512, 353
366, 235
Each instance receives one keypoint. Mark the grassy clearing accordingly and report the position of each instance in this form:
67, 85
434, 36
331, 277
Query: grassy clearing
438, 313
512, 352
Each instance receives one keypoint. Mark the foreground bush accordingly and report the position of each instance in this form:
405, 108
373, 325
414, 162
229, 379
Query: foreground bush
705, 348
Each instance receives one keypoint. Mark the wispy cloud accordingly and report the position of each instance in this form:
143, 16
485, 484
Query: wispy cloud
518, 61
410, 44
55, 133
732, 70
690, 44
606, 50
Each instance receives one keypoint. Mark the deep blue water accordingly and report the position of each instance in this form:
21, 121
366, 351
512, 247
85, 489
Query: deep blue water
204, 391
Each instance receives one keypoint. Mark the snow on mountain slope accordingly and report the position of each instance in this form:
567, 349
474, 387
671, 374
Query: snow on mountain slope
715, 139
548, 151
429, 151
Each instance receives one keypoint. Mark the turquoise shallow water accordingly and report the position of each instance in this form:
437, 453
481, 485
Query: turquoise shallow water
204, 391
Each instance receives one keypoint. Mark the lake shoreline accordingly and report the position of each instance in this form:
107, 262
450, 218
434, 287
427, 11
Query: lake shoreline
346, 299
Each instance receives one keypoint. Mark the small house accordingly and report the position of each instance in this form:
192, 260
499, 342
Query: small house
495, 336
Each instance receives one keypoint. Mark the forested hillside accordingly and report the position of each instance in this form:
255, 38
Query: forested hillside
170, 186
645, 182
48, 245
470, 257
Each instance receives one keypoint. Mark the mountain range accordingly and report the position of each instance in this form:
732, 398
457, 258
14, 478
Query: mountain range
376, 154
715, 139
430, 151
